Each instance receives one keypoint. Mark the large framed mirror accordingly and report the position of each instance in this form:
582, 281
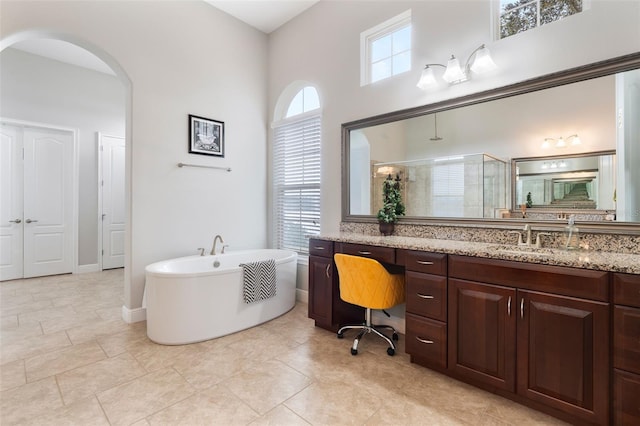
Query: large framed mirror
477, 158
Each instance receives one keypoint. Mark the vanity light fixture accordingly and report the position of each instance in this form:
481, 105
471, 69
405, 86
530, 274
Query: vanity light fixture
561, 142
455, 74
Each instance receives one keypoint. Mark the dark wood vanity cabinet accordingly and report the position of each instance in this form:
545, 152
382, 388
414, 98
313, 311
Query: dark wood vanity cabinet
626, 349
325, 305
545, 336
548, 348
426, 308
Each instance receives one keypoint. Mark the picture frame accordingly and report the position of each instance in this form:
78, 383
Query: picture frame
206, 136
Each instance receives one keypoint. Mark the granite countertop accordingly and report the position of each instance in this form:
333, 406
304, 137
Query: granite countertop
585, 259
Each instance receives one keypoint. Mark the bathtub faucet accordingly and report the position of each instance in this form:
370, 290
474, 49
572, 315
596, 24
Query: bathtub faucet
215, 240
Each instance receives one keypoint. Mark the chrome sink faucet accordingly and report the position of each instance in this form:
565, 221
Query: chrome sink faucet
215, 240
527, 229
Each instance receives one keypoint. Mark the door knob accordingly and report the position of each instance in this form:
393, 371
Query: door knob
29, 221
16, 221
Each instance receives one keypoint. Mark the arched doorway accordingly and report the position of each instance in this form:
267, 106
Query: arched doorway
124, 79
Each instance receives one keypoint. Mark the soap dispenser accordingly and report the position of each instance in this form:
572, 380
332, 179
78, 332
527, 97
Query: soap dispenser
572, 236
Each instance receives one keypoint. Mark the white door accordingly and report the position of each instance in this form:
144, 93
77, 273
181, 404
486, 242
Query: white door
48, 202
11, 225
113, 197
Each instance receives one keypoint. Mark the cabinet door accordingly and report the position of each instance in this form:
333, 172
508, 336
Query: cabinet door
563, 354
626, 339
482, 332
320, 289
626, 388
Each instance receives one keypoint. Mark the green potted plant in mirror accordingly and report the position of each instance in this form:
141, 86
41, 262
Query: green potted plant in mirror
392, 205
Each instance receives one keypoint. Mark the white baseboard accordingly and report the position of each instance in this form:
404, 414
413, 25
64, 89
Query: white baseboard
133, 315
83, 269
378, 317
302, 296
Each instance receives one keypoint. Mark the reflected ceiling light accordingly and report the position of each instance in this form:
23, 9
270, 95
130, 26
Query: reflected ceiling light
575, 141
386, 170
454, 73
561, 142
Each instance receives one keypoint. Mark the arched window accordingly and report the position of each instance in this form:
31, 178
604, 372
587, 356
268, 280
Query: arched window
304, 101
296, 172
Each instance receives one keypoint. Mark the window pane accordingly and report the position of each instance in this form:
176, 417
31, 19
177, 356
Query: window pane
401, 63
402, 40
520, 15
518, 20
381, 48
295, 107
311, 100
380, 70
553, 10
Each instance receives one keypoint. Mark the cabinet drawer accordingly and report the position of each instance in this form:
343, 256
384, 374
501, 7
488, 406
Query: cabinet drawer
626, 344
422, 261
561, 280
321, 248
381, 254
426, 295
626, 388
426, 339
626, 289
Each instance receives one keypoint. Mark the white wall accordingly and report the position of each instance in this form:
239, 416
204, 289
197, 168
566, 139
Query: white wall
328, 56
37, 89
181, 57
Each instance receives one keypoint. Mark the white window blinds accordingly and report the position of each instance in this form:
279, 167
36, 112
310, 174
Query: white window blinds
296, 183
448, 190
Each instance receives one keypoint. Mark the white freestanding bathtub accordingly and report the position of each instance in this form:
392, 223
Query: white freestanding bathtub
196, 298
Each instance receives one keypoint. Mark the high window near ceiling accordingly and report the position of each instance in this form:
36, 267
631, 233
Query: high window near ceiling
385, 50
296, 172
516, 16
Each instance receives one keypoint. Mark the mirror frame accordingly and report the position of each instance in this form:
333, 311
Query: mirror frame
573, 75
514, 207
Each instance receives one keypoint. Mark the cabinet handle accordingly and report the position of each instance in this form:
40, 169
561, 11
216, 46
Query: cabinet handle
29, 220
424, 262
364, 252
327, 271
509, 306
424, 296
318, 248
16, 221
522, 308
427, 342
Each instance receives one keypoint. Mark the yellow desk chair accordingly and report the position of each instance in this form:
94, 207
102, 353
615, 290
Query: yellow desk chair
365, 282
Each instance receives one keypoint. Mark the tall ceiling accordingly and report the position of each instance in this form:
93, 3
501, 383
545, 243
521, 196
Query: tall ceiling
265, 15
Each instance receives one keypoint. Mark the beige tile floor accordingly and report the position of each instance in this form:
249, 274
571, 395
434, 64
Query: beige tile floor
67, 358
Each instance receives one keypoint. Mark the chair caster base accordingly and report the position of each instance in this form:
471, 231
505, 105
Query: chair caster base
391, 351
354, 351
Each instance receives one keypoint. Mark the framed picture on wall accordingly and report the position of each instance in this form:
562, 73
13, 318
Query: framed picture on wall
206, 136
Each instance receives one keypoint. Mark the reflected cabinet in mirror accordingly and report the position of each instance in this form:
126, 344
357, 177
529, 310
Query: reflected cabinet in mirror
567, 143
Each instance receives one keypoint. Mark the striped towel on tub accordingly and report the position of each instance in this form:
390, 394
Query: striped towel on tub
259, 280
